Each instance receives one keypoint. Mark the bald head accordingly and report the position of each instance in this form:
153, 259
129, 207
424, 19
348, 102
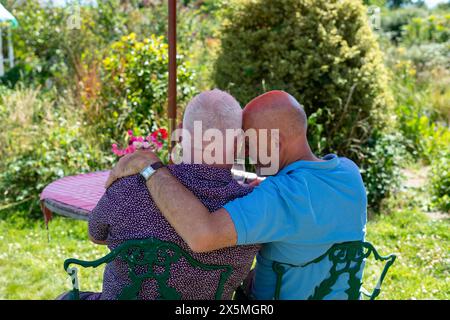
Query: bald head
276, 110
282, 119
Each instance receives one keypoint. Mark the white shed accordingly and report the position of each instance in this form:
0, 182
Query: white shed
7, 22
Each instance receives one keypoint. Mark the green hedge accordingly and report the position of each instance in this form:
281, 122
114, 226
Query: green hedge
323, 52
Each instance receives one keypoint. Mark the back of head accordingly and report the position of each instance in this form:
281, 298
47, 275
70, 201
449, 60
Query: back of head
214, 109
276, 110
280, 117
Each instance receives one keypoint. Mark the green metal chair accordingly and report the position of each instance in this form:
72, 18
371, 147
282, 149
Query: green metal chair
346, 257
142, 258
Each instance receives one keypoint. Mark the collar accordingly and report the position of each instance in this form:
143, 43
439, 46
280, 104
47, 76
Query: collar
331, 162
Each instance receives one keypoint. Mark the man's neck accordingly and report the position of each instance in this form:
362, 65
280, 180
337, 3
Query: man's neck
301, 153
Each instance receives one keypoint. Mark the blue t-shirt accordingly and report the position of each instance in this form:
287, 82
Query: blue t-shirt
297, 215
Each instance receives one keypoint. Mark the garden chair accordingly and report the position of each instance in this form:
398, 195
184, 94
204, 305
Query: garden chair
346, 257
143, 257
76, 196
147, 259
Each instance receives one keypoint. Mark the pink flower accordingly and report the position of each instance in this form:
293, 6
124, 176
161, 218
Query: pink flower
117, 151
158, 145
153, 141
130, 149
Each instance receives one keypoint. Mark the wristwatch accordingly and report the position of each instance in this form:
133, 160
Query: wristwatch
147, 172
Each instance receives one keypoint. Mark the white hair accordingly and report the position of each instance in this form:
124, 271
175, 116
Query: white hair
215, 109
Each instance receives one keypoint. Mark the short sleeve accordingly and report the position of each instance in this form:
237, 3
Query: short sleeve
261, 216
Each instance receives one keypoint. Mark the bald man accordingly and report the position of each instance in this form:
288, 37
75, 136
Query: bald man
296, 214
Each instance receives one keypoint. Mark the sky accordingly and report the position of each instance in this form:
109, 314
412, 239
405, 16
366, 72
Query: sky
430, 3
433, 3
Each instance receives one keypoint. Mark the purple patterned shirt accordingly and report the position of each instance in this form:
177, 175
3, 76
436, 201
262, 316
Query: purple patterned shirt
127, 211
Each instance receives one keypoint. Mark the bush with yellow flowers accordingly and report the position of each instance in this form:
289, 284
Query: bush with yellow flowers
135, 83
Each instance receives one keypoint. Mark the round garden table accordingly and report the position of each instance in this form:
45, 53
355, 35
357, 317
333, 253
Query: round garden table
73, 196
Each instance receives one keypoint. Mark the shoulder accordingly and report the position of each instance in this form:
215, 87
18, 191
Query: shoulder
349, 164
126, 185
125, 191
350, 168
292, 181
241, 190
268, 190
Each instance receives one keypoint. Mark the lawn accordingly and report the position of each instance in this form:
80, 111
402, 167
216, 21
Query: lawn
421, 244
31, 265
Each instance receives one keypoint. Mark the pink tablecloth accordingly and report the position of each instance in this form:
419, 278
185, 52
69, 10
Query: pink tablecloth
79, 193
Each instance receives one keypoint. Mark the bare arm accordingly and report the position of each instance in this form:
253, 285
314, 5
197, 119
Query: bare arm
200, 229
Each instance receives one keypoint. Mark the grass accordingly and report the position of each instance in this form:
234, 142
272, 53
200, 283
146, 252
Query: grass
31, 266
422, 268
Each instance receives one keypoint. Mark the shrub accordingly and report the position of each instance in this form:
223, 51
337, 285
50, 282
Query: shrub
422, 77
45, 48
380, 168
394, 21
422, 119
418, 110
440, 182
427, 56
135, 83
434, 28
411, 103
41, 141
323, 52
49, 51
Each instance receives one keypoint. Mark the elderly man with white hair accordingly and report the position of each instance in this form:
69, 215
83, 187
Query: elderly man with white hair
212, 115
127, 211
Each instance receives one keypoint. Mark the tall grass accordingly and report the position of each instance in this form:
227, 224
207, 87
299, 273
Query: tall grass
44, 137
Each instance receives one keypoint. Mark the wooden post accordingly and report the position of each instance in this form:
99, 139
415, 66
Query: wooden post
172, 94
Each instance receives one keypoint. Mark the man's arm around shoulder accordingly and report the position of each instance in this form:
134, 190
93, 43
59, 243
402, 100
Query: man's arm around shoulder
200, 229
